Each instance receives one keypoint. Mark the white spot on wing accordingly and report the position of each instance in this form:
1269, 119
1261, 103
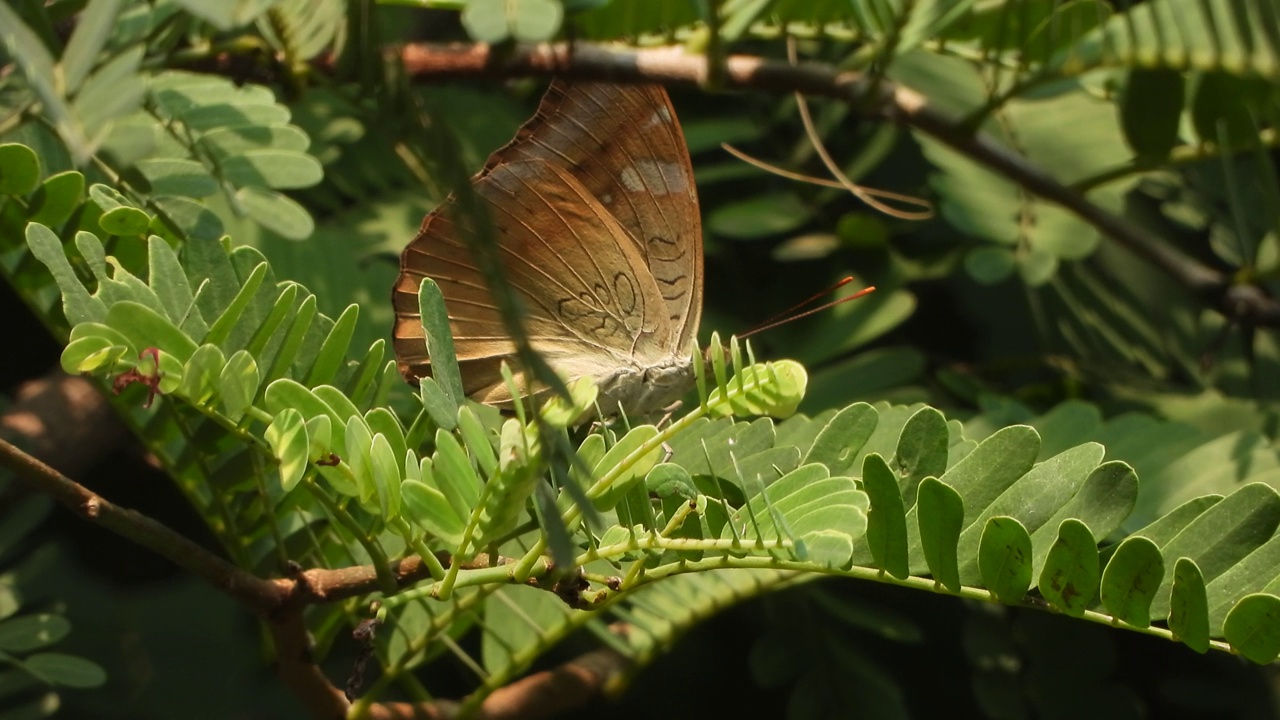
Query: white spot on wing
658, 178
659, 116
631, 180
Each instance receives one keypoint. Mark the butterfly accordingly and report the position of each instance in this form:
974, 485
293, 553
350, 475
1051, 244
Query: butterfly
598, 232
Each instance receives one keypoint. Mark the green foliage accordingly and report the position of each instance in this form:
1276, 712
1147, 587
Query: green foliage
31, 671
252, 374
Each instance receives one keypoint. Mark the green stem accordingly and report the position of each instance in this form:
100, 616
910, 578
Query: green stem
377, 556
414, 541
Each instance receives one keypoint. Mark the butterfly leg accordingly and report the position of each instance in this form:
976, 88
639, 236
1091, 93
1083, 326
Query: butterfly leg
669, 411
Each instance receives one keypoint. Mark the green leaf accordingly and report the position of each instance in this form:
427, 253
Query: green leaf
201, 374
223, 326
485, 20
839, 441
188, 218
922, 451
177, 176
28, 52
272, 168
1253, 574
668, 479
429, 510
65, 670
509, 489
476, 439
146, 328
1031, 499
1189, 606
1038, 265
319, 437
115, 90
382, 420
56, 198
92, 30
334, 350
300, 323
290, 444
517, 619
124, 221
606, 497
19, 169
169, 281
439, 340
442, 408
983, 475
774, 389
89, 354
1004, 559
810, 501
276, 212
535, 21
238, 384
208, 117
288, 393
25, 633
1166, 527
999, 461
26, 48
1131, 580
558, 412
940, 517
827, 548
1150, 110
359, 443
990, 265
454, 475
227, 141
1224, 107
1071, 571
759, 216
107, 197
887, 519
385, 468
1253, 628
1103, 502
226, 14
1223, 536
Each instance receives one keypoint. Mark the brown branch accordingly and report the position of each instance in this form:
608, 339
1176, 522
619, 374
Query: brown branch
540, 695
147, 532
881, 98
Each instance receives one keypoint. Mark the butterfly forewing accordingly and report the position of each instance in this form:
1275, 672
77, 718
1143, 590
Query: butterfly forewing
624, 144
597, 226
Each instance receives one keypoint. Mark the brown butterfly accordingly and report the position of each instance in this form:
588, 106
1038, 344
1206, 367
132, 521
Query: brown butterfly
598, 232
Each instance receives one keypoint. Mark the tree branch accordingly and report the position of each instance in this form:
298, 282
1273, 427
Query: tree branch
245, 587
875, 97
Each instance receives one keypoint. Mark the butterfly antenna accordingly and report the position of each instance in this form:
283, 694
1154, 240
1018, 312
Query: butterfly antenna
790, 314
